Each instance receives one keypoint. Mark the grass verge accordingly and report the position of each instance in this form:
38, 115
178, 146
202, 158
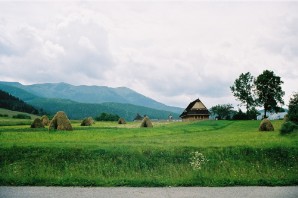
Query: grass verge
123, 167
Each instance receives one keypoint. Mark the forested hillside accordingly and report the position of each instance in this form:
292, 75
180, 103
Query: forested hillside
10, 102
80, 110
76, 110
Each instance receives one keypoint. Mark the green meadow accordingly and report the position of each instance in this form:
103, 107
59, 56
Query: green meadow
108, 154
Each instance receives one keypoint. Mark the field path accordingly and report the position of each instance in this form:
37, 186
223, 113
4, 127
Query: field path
125, 192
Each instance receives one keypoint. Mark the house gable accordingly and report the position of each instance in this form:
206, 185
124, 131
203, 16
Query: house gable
196, 110
198, 105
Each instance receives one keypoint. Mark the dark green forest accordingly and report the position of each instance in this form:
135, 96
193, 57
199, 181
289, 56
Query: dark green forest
75, 110
10, 102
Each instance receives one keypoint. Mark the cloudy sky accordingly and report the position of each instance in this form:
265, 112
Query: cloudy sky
173, 52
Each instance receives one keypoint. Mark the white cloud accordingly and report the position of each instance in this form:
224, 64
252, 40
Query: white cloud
170, 51
67, 46
53, 50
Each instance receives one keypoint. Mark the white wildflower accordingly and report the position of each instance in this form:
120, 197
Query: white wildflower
197, 160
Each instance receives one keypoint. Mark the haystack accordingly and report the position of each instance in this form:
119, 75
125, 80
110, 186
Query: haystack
37, 123
121, 121
266, 125
87, 121
146, 122
60, 122
45, 120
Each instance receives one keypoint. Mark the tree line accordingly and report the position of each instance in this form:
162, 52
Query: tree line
263, 91
107, 117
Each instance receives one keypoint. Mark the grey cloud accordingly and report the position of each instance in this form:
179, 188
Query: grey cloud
192, 49
78, 48
283, 39
180, 81
6, 49
207, 87
86, 48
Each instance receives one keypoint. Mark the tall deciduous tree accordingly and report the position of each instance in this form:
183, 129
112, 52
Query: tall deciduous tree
242, 90
269, 91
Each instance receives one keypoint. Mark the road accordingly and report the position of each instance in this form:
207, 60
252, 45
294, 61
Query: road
168, 192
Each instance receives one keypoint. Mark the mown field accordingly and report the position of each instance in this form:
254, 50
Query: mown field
108, 154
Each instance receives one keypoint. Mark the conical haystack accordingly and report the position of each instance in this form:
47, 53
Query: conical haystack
121, 121
60, 122
37, 123
146, 122
45, 120
87, 121
266, 125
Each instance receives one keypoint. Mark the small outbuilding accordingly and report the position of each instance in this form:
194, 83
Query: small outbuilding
196, 110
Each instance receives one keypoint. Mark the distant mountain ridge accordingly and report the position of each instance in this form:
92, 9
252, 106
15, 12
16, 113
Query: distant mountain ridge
91, 94
79, 110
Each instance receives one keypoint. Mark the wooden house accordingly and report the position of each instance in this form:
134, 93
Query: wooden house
196, 110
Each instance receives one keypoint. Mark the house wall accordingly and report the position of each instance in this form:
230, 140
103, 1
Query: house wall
195, 118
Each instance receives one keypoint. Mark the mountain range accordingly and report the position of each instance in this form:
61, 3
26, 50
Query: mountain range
81, 101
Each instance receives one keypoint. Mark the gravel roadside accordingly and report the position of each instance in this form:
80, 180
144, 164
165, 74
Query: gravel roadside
125, 192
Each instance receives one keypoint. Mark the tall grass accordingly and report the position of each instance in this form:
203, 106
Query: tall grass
119, 167
108, 154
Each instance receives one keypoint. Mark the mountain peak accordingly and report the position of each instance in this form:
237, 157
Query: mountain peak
10, 83
93, 94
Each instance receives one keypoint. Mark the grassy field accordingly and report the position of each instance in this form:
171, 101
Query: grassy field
108, 154
8, 121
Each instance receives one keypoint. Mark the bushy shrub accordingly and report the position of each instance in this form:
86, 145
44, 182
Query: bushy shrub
288, 127
293, 108
291, 119
249, 115
107, 117
21, 116
239, 115
286, 118
3, 115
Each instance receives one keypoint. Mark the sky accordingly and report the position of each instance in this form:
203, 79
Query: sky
171, 51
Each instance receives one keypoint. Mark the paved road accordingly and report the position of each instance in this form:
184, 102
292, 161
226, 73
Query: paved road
125, 192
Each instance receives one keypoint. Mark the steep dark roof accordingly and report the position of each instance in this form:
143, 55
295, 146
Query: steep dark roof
189, 111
